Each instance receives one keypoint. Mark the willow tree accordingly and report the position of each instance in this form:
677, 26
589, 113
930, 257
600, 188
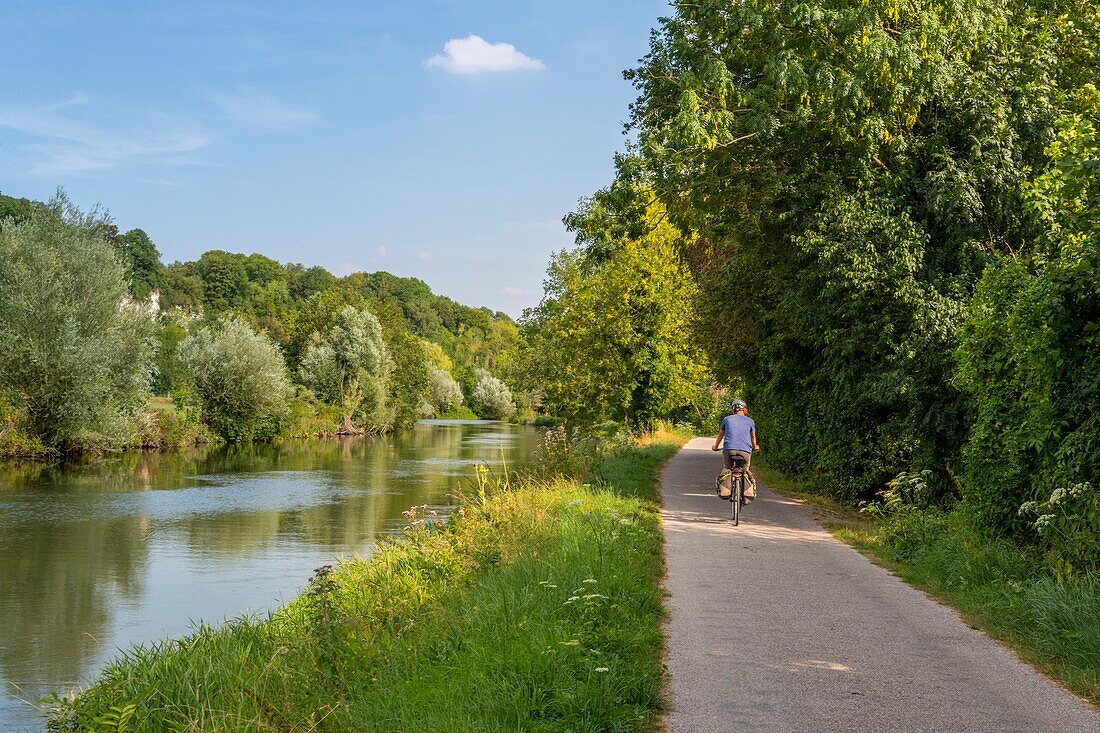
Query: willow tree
240, 379
76, 356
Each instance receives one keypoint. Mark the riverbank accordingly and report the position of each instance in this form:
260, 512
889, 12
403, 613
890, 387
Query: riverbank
537, 606
1006, 590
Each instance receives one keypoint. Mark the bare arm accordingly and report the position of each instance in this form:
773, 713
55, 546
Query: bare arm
722, 434
755, 445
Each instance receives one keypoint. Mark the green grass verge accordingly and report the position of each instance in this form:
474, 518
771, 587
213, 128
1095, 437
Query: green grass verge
1006, 590
536, 608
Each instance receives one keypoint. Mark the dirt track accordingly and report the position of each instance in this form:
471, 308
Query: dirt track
775, 626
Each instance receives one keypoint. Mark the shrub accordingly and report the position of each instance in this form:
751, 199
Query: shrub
240, 380
76, 357
491, 398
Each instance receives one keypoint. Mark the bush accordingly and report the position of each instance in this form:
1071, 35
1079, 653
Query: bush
491, 398
240, 380
76, 357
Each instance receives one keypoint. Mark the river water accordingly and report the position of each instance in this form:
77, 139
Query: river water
97, 556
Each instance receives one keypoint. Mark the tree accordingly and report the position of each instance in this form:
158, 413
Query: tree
445, 394
612, 339
851, 169
410, 380
240, 380
1030, 351
224, 279
74, 357
143, 260
491, 398
349, 366
170, 373
13, 208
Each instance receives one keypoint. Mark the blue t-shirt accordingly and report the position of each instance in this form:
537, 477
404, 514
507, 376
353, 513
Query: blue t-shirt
739, 430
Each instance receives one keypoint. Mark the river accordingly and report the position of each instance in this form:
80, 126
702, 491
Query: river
99, 555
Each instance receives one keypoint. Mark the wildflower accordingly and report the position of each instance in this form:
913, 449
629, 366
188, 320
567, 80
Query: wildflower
590, 580
1044, 523
1028, 507
602, 669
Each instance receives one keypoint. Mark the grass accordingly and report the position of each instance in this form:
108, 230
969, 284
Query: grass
536, 608
1002, 588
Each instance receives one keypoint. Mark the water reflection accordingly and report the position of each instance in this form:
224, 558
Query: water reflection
96, 555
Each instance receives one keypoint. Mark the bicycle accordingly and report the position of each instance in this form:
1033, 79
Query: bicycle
736, 496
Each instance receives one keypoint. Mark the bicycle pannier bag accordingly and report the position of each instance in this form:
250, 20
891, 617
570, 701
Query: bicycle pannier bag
724, 484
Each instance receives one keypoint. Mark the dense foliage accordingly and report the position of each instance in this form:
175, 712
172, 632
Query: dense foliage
1031, 347
852, 172
75, 353
375, 374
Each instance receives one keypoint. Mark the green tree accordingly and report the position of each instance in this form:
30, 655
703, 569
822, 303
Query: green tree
224, 280
612, 339
13, 208
1030, 351
349, 366
240, 380
170, 373
851, 169
409, 383
143, 260
74, 356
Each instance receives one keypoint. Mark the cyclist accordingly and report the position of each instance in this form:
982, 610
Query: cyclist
737, 437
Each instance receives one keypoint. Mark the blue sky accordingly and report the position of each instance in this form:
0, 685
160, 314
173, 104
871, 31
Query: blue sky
349, 135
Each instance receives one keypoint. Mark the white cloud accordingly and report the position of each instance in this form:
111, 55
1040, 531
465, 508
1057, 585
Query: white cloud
256, 108
381, 252
69, 147
474, 55
425, 257
510, 290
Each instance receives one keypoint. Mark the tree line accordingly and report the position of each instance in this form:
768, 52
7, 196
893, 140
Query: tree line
890, 216
93, 325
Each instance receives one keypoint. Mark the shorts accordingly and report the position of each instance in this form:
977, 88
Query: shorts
726, 453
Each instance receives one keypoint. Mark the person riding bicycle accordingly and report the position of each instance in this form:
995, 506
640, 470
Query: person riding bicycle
737, 437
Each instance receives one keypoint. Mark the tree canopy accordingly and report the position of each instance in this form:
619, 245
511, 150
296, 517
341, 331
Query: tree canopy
75, 356
851, 170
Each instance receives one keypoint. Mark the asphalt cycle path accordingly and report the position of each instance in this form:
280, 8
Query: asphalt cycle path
776, 626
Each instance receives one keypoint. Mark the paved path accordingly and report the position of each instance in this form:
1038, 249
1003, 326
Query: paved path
775, 626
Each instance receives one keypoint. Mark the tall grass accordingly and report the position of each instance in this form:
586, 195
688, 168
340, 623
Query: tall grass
536, 608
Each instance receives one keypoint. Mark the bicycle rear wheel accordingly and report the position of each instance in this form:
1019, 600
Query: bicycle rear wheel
735, 500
